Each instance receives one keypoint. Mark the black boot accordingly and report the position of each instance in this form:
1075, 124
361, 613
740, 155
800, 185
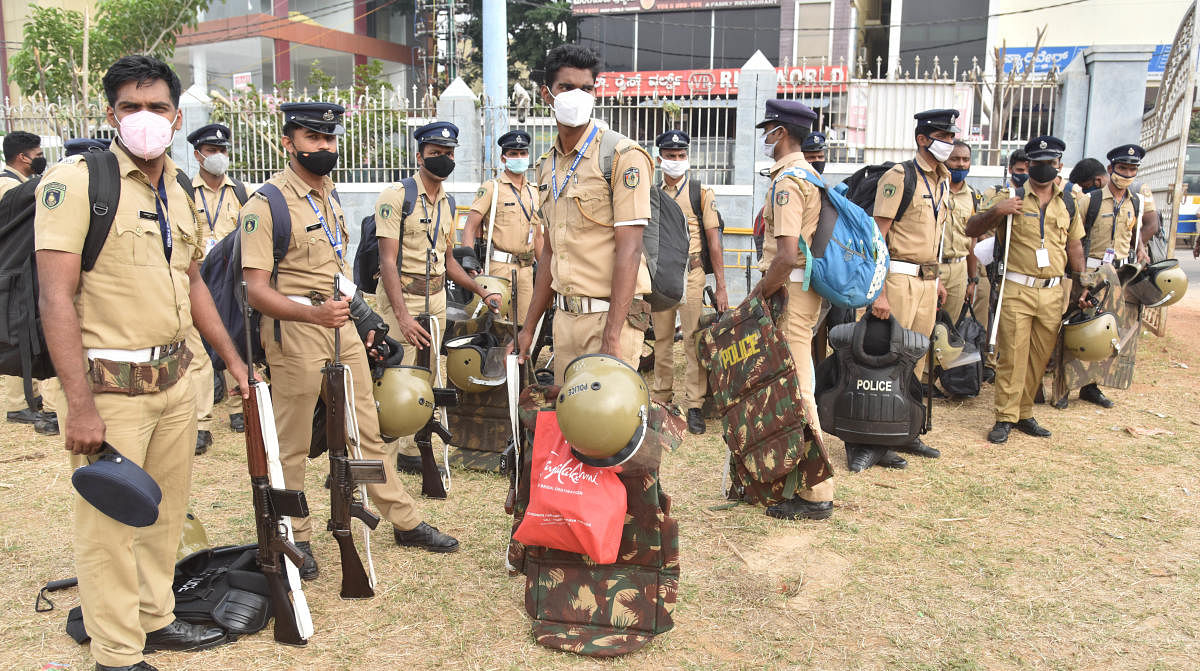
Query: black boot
428, 537
408, 463
140, 666
1092, 394
237, 422
47, 424
919, 448
695, 421
889, 459
309, 569
203, 442
861, 457
180, 635
799, 509
999, 432
23, 416
1031, 427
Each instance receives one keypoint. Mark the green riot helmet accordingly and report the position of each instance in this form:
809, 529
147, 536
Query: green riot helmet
192, 539
475, 363
1159, 284
949, 348
602, 410
404, 398
490, 284
1091, 336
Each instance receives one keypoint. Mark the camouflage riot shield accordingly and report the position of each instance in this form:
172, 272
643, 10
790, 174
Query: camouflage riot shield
1070, 373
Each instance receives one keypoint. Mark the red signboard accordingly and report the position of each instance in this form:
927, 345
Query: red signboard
623, 6
722, 81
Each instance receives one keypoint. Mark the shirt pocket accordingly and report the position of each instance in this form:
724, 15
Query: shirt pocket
135, 241
594, 206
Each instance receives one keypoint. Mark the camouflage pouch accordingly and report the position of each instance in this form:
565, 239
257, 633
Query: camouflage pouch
775, 453
639, 315
480, 430
417, 286
123, 377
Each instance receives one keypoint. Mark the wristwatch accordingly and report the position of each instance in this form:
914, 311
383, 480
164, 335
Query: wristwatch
973, 280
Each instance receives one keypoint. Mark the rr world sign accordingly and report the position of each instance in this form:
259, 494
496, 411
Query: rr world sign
814, 79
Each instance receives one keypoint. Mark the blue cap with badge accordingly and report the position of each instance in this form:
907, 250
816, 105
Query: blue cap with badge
77, 145
788, 111
442, 133
514, 139
119, 488
1045, 148
939, 119
813, 142
1127, 153
215, 134
325, 118
673, 139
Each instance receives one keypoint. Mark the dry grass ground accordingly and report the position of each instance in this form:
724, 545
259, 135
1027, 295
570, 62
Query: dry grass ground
1077, 552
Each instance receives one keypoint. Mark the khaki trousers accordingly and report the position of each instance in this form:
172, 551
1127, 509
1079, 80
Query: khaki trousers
1028, 330
803, 309
296, 382
914, 305
200, 372
695, 382
13, 388
954, 278
524, 285
125, 574
576, 335
415, 306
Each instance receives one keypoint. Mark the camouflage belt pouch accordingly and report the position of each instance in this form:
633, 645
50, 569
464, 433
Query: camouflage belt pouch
694, 262
774, 451
607, 610
419, 287
123, 377
524, 259
480, 429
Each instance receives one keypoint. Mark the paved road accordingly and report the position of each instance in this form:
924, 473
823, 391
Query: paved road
1190, 266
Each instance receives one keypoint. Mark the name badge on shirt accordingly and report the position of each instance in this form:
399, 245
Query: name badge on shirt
312, 228
1043, 257
1109, 255
152, 216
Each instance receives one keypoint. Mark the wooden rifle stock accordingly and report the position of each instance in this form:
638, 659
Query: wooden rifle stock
431, 478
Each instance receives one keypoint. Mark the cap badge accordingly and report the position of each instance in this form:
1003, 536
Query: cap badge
1042, 144
445, 132
328, 115
675, 138
1131, 151
220, 135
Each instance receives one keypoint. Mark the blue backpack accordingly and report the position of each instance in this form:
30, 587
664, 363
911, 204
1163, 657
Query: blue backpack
847, 261
366, 256
222, 272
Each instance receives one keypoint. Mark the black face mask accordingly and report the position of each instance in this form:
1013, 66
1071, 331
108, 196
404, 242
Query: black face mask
1019, 179
819, 166
1043, 173
1092, 188
318, 162
38, 165
440, 166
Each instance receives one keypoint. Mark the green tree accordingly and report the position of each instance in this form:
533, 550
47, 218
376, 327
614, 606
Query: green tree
51, 55
533, 29
1194, 128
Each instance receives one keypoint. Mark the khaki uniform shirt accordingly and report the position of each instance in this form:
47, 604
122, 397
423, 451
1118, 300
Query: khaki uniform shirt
914, 236
580, 222
1060, 228
429, 226
793, 209
310, 262
956, 244
514, 229
1113, 226
216, 210
7, 181
698, 222
133, 298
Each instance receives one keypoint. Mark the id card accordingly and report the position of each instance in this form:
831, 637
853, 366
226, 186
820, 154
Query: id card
209, 246
1109, 255
1043, 257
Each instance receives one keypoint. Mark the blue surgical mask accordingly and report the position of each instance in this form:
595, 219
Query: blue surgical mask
516, 165
1019, 180
957, 176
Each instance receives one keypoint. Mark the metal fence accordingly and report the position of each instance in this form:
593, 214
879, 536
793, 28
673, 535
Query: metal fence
57, 121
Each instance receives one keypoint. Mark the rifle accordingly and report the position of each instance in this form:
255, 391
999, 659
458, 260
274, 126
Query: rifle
996, 300
345, 477
431, 478
510, 460
272, 509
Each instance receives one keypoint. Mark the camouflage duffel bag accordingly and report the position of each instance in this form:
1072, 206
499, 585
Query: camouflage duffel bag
605, 610
774, 452
480, 429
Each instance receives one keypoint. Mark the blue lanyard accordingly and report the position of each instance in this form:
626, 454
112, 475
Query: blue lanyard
164, 226
554, 187
337, 244
1117, 205
680, 190
941, 192
516, 193
437, 227
212, 225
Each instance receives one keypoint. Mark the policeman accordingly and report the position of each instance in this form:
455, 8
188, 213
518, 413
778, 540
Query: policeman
1087, 176
814, 151
791, 212
118, 346
1018, 173
300, 303
217, 200
677, 183
515, 240
959, 269
78, 145
404, 244
1044, 243
912, 290
594, 227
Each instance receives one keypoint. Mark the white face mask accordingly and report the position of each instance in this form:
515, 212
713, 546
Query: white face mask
516, 164
767, 148
674, 169
216, 164
574, 107
941, 149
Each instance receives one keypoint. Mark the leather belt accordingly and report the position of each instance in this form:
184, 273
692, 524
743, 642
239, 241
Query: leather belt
957, 259
1094, 263
419, 287
144, 355
1032, 282
925, 271
580, 305
523, 259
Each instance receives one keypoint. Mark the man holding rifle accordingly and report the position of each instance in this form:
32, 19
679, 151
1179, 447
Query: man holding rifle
301, 313
1040, 238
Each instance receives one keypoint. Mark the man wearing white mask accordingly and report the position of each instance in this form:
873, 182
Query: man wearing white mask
118, 345
217, 197
705, 254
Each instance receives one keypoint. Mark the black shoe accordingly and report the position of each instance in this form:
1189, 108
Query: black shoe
799, 509
861, 457
237, 422
180, 635
309, 569
409, 463
889, 459
47, 424
989, 374
23, 416
999, 432
203, 442
140, 666
1062, 403
695, 421
1092, 394
919, 448
1031, 427
425, 536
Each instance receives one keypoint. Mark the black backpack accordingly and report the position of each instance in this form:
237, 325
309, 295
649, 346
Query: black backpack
222, 272
23, 351
366, 256
1095, 198
862, 186
694, 193
965, 381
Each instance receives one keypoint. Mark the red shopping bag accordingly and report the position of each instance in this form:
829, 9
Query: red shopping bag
572, 506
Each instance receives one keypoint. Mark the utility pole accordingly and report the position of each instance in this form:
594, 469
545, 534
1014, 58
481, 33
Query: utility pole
451, 37
495, 79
